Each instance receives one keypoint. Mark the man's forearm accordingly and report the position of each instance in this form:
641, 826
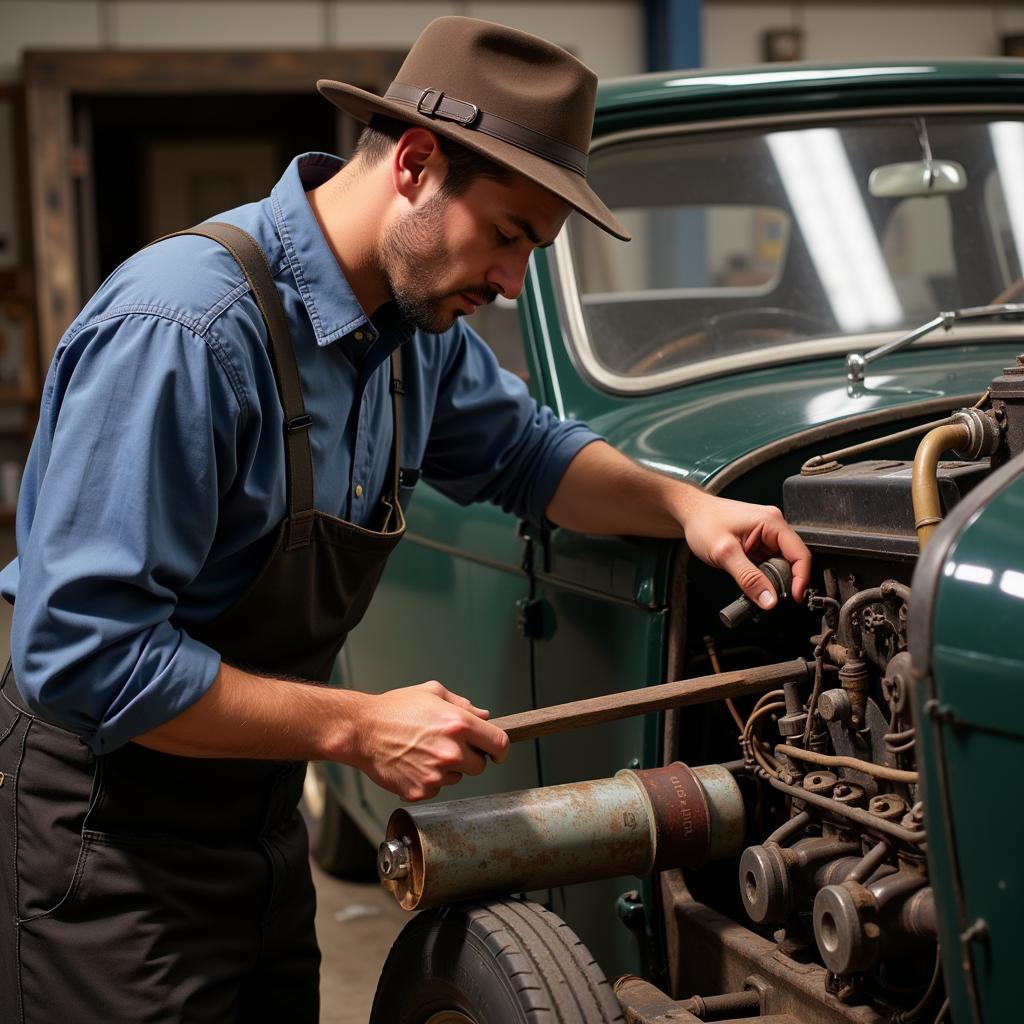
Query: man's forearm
247, 716
603, 491
411, 741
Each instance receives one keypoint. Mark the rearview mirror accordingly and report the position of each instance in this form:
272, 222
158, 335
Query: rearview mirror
917, 178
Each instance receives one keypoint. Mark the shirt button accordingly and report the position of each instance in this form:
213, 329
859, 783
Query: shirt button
359, 335
359, 490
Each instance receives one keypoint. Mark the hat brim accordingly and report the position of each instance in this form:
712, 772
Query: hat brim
565, 184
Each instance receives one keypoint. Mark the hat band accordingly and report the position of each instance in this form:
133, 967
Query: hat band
435, 104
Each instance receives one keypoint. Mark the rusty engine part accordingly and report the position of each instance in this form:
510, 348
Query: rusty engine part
1007, 392
779, 574
643, 1003
777, 881
856, 925
635, 823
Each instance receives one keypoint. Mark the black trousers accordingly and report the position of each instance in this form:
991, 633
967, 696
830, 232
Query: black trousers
142, 887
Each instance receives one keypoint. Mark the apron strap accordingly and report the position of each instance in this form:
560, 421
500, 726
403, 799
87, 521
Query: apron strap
397, 391
298, 457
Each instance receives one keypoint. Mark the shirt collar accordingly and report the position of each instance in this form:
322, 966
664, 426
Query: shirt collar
333, 308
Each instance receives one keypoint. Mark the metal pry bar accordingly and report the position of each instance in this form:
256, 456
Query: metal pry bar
528, 725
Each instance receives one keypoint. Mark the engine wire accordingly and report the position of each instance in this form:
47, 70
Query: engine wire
716, 667
903, 747
818, 462
819, 671
752, 744
881, 771
899, 737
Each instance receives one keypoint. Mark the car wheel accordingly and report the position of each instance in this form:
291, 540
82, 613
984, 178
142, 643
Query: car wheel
478, 963
335, 842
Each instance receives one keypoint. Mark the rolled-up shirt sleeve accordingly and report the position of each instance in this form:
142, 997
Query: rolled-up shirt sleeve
119, 509
490, 441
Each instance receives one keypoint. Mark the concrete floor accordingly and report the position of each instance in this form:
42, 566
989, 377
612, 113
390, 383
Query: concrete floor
355, 922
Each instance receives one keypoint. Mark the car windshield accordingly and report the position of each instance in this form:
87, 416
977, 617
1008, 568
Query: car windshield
752, 246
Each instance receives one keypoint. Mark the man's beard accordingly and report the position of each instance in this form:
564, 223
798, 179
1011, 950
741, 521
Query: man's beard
413, 258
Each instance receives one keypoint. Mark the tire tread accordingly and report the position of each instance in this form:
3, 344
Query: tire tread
546, 969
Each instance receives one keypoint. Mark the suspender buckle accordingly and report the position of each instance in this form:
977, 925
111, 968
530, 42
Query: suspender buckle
303, 422
397, 387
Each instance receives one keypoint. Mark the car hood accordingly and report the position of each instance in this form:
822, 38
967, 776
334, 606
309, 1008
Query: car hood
697, 431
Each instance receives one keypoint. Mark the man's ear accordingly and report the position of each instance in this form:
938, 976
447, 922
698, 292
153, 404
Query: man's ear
418, 166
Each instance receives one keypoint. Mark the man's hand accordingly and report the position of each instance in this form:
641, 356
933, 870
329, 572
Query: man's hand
417, 739
411, 741
737, 536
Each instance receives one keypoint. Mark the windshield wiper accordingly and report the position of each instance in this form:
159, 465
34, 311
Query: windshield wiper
856, 364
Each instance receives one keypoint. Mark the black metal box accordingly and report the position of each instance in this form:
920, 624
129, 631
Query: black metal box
866, 507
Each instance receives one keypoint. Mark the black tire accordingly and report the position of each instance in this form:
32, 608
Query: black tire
335, 842
501, 962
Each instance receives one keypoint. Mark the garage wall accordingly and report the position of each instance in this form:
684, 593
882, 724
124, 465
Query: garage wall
841, 32
607, 34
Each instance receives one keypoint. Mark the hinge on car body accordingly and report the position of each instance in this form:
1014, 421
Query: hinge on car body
532, 537
940, 712
530, 618
977, 932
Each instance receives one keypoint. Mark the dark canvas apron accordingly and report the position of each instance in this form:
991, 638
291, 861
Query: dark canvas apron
139, 886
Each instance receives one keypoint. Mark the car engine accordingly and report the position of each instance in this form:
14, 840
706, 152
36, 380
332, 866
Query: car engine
833, 883
793, 865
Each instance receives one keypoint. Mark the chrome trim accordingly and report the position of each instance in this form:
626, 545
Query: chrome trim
545, 336
807, 116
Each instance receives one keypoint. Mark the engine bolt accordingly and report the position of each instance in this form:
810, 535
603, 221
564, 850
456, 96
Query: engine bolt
834, 706
820, 782
914, 818
393, 858
792, 725
849, 793
888, 806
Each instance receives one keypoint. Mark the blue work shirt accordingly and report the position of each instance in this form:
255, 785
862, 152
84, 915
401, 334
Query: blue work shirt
156, 478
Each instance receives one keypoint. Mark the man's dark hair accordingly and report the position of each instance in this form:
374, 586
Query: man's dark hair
464, 166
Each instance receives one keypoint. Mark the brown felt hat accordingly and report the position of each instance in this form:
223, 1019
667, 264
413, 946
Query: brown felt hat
520, 101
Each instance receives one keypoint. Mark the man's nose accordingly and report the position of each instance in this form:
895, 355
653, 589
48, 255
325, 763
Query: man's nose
507, 277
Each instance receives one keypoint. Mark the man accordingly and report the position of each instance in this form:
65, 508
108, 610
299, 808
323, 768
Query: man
218, 477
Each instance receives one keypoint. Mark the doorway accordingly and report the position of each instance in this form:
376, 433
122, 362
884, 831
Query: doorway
126, 145
155, 164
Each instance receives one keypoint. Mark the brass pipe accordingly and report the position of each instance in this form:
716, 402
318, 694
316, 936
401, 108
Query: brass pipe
924, 484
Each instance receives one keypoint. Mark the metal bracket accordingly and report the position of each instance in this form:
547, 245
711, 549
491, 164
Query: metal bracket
530, 618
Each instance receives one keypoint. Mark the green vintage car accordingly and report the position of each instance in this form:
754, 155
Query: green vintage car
859, 845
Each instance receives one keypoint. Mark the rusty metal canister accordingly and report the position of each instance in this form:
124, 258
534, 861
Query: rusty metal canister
634, 823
